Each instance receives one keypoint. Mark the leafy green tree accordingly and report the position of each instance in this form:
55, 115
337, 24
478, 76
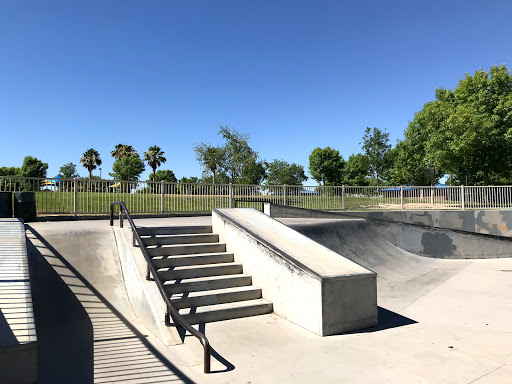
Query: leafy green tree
253, 172
375, 147
326, 166
189, 180
9, 171
122, 150
468, 131
90, 159
164, 175
357, 170
33, 167
154, 156
128, 168
241, 162
211, 158
68, 171
280, 172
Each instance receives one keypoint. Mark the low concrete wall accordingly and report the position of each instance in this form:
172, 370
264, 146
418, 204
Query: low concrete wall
484, 222
286, 212
308, 284
144, 296
18, 341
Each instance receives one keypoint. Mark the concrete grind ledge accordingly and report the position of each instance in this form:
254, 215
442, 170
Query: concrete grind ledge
308, 284
18, 341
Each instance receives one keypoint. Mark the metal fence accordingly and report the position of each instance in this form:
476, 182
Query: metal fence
55, 196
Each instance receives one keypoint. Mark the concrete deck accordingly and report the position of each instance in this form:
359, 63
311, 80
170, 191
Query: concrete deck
456, 329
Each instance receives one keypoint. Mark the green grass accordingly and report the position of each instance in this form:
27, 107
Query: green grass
49, 202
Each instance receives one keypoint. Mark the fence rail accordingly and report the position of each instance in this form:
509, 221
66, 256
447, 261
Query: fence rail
55, 196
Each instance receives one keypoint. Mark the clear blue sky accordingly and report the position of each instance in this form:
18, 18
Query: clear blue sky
296, 75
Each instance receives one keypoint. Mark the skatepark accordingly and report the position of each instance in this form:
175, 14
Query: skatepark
440, 320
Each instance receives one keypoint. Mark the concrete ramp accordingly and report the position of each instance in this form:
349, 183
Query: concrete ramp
402, 276
86, 327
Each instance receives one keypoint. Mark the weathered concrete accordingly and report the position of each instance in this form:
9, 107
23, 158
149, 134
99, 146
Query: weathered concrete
422, 233
443, 243
486, 222
144, 296
18, 341
308, 284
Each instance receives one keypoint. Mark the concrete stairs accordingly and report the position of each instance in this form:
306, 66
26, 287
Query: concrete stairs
201, 278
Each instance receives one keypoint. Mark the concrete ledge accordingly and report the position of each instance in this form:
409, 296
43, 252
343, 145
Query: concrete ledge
308, 284
144, 296
18, 341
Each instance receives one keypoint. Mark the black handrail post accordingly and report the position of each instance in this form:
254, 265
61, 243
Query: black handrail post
120, 218
148, 272
207, 357
111, 215
167, 317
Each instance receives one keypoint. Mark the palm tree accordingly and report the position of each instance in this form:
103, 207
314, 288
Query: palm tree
211, 158
90, 159
122, 150
154, 157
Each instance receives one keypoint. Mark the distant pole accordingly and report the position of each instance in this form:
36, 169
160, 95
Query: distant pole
100, 173
402, 197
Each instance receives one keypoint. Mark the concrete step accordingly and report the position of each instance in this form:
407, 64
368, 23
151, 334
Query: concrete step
188, 272
226, 311
200, 238
217, 296
207, 283
185, 249
174, 230
198, 259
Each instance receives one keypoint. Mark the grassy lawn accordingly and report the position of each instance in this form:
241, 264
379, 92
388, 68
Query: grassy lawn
49, 202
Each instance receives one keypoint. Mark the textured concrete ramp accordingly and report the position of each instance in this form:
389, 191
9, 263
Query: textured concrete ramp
85, 323
402, 276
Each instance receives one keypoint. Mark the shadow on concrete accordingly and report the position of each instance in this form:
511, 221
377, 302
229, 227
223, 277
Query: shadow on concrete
82, 338
182, 332
387, 320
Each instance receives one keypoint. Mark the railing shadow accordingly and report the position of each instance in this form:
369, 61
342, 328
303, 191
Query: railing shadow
82, 337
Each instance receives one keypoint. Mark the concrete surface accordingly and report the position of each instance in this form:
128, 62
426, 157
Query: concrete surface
144, 296
18, 341
484, 222
439, 234
308, 284
455, 331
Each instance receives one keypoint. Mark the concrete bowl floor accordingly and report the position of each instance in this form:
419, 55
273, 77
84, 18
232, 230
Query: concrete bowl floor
454, 329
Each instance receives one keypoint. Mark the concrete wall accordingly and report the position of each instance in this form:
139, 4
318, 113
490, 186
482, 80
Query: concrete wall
144, 296
486, 222
308, 284
285, 212
442, 243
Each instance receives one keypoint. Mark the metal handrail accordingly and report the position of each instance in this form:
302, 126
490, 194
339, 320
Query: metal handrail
171, 309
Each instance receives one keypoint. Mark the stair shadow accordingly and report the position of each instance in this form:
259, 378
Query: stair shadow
82, 338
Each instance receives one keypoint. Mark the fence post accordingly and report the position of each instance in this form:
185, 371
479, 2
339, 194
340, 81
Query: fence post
343, 197
75, 196
402, 197
284, 194
432, 196
230, 195
462, 196
162, 199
